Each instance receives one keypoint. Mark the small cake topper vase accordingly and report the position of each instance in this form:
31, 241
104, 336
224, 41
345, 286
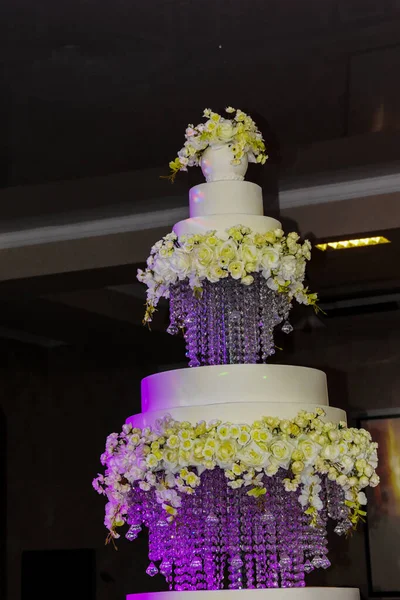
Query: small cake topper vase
217, 164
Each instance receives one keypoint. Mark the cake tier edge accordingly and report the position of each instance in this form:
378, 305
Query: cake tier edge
218, 384
307, 593
238, 412
220, 223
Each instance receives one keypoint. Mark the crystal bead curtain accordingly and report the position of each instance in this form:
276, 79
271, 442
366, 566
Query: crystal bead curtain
230, 323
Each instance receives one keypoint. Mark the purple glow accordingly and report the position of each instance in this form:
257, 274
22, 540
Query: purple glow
224, 538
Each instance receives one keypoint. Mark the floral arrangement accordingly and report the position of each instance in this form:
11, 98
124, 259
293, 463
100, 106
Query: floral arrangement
239, 254
240, 131
170, 459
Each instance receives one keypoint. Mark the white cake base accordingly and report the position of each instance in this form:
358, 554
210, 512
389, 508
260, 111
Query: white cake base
307, 593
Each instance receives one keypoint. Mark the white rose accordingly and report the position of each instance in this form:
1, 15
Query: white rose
288, 267
374, 481
163, 270
330, 452
204, 255
347, 463
225, 130
253, 455
270, 258
361, 498
342, 480
309, 448
180, 263
248, 253
282, 451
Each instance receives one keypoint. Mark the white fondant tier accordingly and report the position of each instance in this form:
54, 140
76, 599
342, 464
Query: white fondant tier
222, 197
236, 393
307, 593
234, 383
220, 223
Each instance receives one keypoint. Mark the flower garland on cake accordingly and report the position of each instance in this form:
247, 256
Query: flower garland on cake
239, 254
170, 459
240, 131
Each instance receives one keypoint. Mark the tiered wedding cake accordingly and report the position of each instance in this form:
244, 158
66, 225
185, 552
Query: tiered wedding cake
233, 466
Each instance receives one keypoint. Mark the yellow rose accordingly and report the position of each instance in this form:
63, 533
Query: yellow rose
270, 237
236, 269
173, 441
204, 255
297, 455
280, 450
226, 451
297, 467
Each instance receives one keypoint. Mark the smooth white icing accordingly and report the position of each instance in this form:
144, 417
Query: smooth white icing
226, 197
234, 383
307, 593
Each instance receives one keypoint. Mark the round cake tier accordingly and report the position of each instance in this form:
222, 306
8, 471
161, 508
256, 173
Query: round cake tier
222, 197
307, 593
220, 223
204, 386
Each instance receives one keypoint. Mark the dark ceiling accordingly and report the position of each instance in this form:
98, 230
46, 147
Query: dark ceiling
95, 87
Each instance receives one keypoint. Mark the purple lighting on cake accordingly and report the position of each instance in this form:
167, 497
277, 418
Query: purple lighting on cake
224, 538
230, 323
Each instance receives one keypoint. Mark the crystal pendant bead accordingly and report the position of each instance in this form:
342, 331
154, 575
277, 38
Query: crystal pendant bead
287, 327
152, 570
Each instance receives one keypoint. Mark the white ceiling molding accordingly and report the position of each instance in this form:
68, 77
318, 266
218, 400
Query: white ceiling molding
289, 198
95, 228
342, 190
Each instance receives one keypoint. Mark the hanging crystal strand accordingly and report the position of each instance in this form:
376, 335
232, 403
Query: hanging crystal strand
211, 525
233, 323
234, 560
192, 323
295, 542
221, 508
224, 321
218, 323
321, 559
269, 519
250, 314
266, 321
284, 307
337, 510
246, 522
212, 327
197, 529
167, 531
173, 296
285, 561
260, 543
239, 291
202, 326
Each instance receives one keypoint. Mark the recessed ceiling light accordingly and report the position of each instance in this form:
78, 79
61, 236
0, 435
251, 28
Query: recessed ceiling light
355, 243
